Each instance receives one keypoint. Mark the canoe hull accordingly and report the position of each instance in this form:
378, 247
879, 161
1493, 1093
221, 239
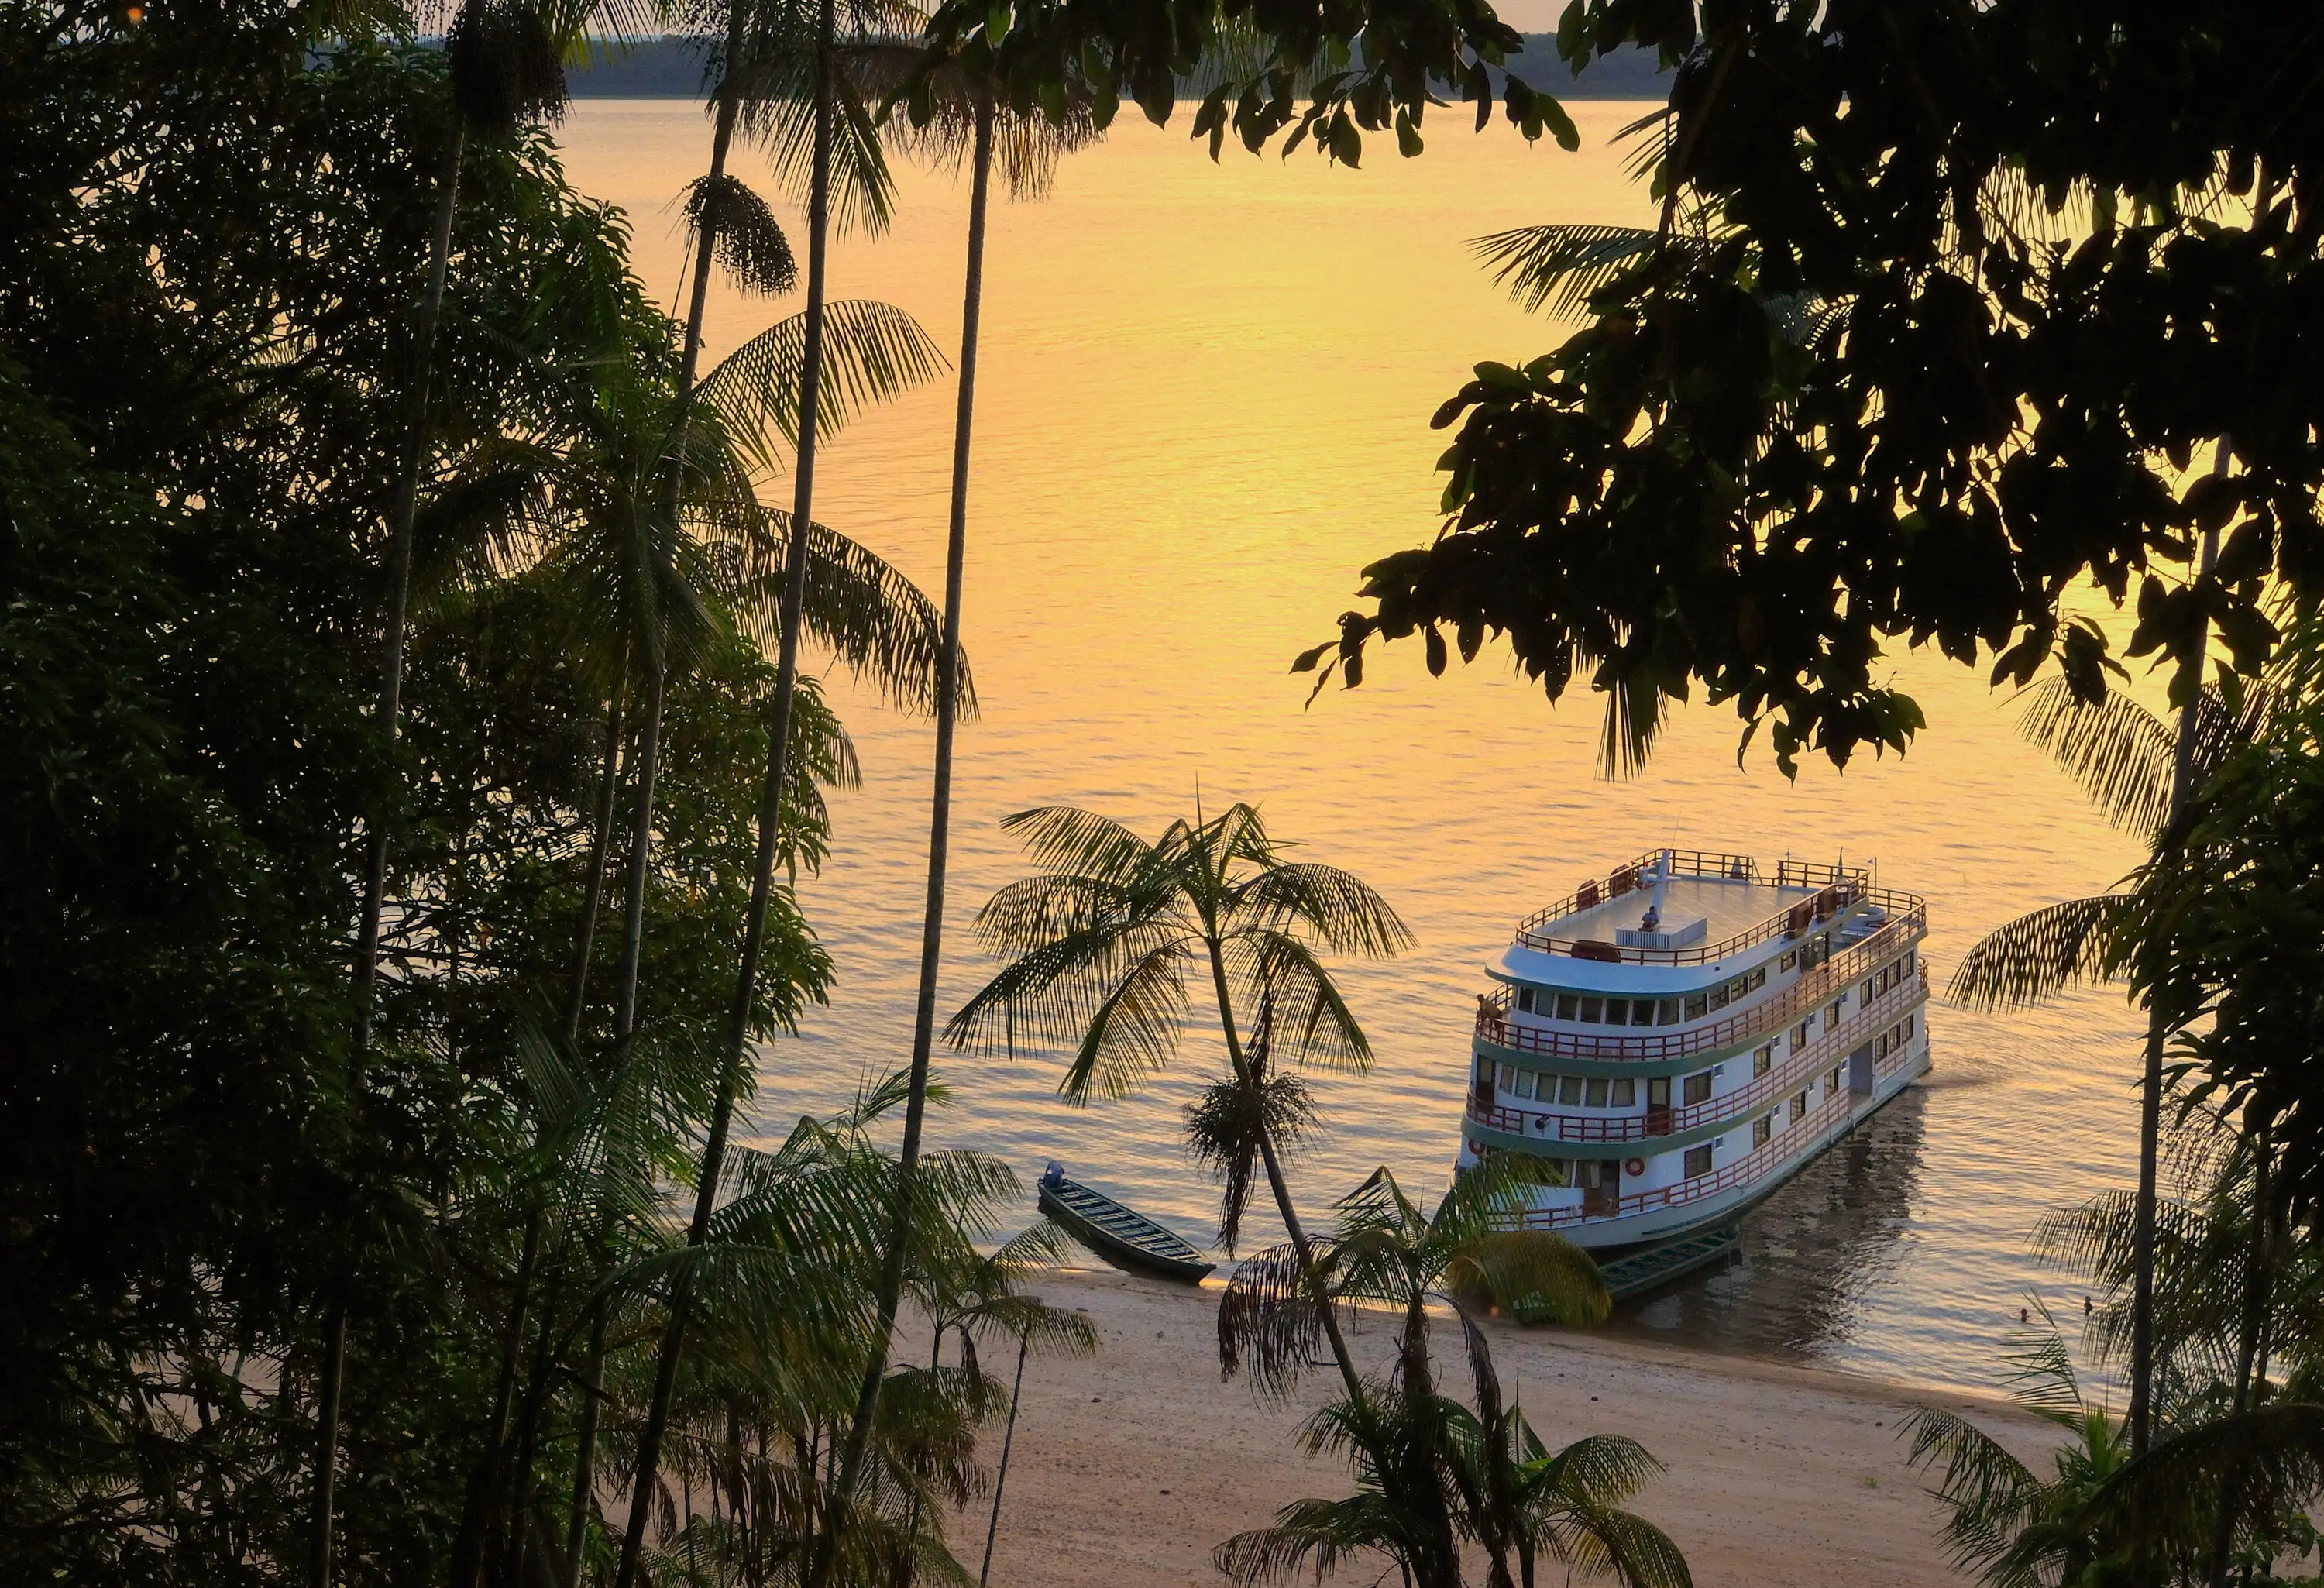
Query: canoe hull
1121, 1254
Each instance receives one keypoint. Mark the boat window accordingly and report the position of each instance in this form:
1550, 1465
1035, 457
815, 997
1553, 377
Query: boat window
1666, 1012
1758, 978
1832, 1081
1565, 1006
1791, 957
1799, 1034
1626, 1093
1696, 1006
1524, 1000
1831, 1014
1737, 987
1695, 1088
1799, 1108
1508, 1078
1484, 1072
1569, 1090
1525, 1083
1865, 995
1764, 1061
1762, 1128
1596, 1097
1698, 1161
1642, 1012
1594, 1010
1907, 961
1718, 996
1908, 1028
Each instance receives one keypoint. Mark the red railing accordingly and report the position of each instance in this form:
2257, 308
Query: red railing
1760, 1161
1622, 879
1810, 991
1801, 1066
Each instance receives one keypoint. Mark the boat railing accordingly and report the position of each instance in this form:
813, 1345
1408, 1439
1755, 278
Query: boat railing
1643, 873
1821, 1054
1808, 992
1796, 919
1744, 1170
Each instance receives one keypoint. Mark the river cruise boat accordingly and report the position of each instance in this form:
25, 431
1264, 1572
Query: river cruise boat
1680, 1037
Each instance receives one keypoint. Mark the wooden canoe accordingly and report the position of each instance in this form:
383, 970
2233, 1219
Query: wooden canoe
1645, 1269
1638, 1272
1122, 1236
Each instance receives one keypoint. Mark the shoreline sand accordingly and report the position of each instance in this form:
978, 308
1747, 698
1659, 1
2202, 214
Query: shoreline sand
1129, 1466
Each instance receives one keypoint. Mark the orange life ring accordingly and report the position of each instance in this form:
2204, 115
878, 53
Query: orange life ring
1633, 1167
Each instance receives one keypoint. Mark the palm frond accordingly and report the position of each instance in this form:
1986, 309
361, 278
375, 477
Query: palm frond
1560, 267
860, 607
1269, 1322
1617, 1543
2044, 953
1312, 1022
1080, 843
872, 352
2167, 1497
779, 115
1345, 912
1310, 1537
2119, 752
1534, 1270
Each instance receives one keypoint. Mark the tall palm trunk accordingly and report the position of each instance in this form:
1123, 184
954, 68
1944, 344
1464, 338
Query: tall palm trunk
1277, 1181
633, 911
592, 896
924, 1011
2259, 1272
2150, 1093
584, 1455
479, 1513
1000, 1478
332, 1372
779, 727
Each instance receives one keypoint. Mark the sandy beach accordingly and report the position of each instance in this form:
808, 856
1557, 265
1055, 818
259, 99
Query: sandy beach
1129, 1467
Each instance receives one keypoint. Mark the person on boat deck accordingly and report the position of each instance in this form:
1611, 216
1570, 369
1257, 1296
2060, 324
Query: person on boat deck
1651, 919
1054, 1175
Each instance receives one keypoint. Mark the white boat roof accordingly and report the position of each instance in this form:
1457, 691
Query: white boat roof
1729, 908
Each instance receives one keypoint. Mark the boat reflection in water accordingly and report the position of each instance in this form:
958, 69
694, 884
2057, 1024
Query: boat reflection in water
1811, 1254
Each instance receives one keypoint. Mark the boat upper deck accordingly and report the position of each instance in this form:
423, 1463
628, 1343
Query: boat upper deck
1717, 913
1728, 908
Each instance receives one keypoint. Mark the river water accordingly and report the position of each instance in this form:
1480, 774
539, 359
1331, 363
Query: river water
1204, 406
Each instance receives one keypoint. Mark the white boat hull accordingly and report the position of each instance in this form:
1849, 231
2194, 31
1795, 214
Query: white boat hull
1712, 1209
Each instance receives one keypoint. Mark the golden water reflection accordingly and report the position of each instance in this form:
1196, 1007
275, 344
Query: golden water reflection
1204, 404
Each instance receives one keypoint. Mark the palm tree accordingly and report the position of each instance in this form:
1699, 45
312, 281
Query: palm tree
961, 108
2115, 748
1107, 935
504, 70
2011, 1526
773, 76
664, 581
1433, 1473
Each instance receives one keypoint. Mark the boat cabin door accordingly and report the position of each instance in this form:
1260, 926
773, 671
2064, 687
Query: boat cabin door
1601, 1186
1658, 1106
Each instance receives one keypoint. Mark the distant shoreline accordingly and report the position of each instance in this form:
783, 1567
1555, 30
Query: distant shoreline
670, 68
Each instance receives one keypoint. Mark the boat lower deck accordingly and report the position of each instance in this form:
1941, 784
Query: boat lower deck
1668, 1212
